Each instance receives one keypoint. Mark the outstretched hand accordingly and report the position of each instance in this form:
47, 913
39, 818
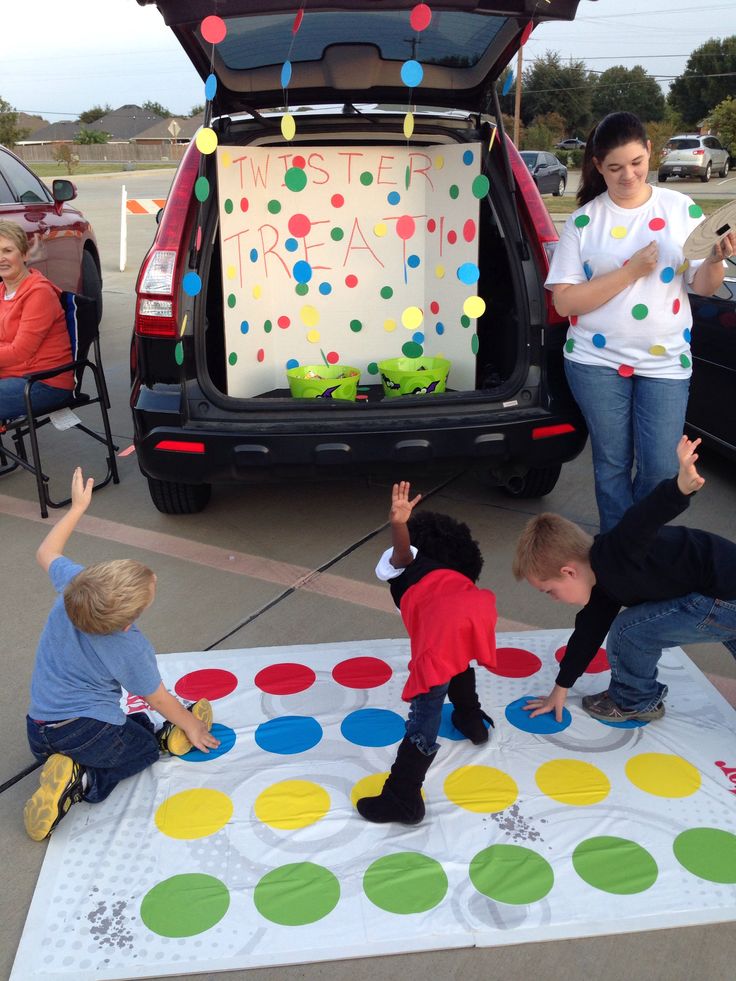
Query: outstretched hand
554, 702
688, 478
401, 504
81, 490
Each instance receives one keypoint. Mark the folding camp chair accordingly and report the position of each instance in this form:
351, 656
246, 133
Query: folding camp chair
81, 322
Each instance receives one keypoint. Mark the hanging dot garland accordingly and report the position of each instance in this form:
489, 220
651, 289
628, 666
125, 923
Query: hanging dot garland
412, 72
288, 123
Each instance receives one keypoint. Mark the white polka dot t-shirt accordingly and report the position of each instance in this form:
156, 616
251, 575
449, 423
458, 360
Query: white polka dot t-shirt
644, 329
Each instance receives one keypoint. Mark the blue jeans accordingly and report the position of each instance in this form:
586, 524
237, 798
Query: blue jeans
44, 398
630, 420
425, 716
108, 753
639, 634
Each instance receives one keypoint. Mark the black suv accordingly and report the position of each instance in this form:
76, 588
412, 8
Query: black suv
240, 286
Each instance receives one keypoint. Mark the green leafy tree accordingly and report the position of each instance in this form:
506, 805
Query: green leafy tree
722, 122
195, 110
629, 89
157, 108
708, 79
93, 114
10, 131
65, 156
543, 132
566, 89
90, 136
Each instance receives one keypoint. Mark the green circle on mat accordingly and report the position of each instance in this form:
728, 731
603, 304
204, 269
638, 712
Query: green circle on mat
201, 189
301, 289
387, 292
639, 311
337, 234
232, 358
356, 326
373, 368
185, 905
615, 865
228, 206
296, 894
179, 353
412, 350
295, 179
274, 206
231, 300
511, 874
406, 882
709, 853
480, 186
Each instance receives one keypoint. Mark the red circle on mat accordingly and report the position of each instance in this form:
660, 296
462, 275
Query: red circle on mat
596, 666
207, 683
361, 672
285, 679
515, 662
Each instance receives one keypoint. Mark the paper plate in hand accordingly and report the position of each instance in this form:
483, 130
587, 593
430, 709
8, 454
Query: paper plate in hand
702, 239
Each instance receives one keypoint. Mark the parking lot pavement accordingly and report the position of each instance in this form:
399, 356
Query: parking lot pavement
233, 577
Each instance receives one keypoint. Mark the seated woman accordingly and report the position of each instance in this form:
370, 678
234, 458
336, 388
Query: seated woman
33, 334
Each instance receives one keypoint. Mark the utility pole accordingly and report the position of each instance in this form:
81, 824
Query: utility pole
517, 100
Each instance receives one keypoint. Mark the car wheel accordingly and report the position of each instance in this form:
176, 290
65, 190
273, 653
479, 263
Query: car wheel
706, 176
661, 178
725, 168
560, 189
92, 283
172, 497
536, 482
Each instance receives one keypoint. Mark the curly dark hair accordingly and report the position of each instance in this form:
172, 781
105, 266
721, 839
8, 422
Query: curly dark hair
446, 540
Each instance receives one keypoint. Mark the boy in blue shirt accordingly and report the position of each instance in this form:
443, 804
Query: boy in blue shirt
89, 649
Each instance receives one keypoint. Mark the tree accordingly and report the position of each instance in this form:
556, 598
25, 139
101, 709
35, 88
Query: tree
89, 136
708, 79
10, 131
93, 114
63, 154
722, 121
157, 108
628, 89
196, 110
543, 132
551, 86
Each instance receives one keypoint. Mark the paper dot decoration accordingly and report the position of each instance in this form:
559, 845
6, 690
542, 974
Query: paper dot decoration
288, 126
285, 74
210, 87
412, 74
213, 29
507, 84
408, 125
206, 140
420, 17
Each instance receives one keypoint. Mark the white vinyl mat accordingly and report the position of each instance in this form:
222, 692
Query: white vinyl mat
256, 856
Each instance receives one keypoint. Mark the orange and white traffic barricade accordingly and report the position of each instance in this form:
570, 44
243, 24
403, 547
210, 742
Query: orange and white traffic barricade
134, 206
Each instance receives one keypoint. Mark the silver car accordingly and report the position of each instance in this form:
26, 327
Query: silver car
693, 156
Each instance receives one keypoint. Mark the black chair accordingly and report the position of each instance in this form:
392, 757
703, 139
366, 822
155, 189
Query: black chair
82, 324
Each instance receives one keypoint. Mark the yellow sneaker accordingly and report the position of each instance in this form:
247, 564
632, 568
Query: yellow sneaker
174, 740
60, 786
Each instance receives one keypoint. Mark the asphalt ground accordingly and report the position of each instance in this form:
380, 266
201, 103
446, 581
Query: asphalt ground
244, 574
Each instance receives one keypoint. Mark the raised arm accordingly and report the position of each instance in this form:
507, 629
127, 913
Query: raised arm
52, 547
709, 275
688, 479
401, 509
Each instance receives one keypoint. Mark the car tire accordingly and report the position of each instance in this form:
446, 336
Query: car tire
172, 497
536, 482
661, 178
92, 283
560, 189
725, 168
706, 176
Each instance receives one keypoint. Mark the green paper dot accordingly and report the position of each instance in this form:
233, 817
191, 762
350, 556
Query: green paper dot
185, 905
274, 206
228, 206
179, 353
570, 345
267, 326
406, 882
407, 178
202, 189
695, 211
301, 289
231, 300
454, 192
615, 865
373, 368
356, 326
685, 361
294, 895
474, 343
709, 853
412, 350
337, 234
581, 221
232, 358
295, 179
366, 178
640, 311
465, 320
387, 292
480, 186
511, 874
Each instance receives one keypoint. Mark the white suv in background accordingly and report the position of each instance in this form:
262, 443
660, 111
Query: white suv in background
693, 156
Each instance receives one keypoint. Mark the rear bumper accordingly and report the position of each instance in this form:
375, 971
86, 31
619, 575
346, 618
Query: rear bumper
683, 170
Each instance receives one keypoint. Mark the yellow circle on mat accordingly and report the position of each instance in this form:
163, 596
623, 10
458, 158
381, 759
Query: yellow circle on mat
481, 789
380, 229
206, 140
225, 159
309, 315
663, 775
474, 306
412, 317
573, 782
439, 272
292, 804
389, 325
257, 290
618, 231
231, 272
370, 786
194, 813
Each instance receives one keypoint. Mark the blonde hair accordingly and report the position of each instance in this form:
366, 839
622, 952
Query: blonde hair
108, 596
12, 230
547, 543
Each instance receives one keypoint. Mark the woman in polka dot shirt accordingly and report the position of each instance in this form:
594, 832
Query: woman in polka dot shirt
620, 275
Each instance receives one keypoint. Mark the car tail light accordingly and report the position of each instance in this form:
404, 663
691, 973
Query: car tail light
179, 446
698, 153
544, 432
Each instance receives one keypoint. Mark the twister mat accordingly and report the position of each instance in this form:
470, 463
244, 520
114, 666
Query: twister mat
255, 855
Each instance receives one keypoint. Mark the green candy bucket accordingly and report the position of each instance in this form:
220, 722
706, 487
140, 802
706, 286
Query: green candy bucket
414, 376
321, 381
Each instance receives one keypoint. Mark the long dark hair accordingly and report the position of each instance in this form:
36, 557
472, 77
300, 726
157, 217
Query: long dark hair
447, 541
615, 129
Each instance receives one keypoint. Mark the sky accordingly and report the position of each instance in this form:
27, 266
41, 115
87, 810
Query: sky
115, 52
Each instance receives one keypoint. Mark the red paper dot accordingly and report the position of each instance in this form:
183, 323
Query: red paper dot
420, 17
285, 679
361, 672
469, 230
297, 20
452, 237
198, 238
244, 204
261, 354
351, 281
213, 29
431, 225
434, 306
299, 161
209, 683
337, 200
405, 227
526, 32
332, 357
676, 306
515, 662
299, 225
573, 320
625, 370
657, 224
283, 322
596, 666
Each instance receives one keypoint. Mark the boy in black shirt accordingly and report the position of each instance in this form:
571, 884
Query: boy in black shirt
678, 584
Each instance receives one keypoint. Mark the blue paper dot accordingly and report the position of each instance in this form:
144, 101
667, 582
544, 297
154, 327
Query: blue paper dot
393, 197
191, 284
227, 741
687, 335
413, 261
285, 74
667, 274
373, 727
412, 73
468, 273
439, 327
599, 340
254, 255
325, 288
508, 83
302, 271
292, 363
210, 87
588, 270
291, 245
288, 734
468, 157
244, 327
543, 725
418, 337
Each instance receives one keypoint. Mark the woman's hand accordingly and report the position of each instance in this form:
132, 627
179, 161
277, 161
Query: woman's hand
723, 249
644, 261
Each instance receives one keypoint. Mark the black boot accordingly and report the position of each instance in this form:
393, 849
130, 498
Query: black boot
401, 797
468, 717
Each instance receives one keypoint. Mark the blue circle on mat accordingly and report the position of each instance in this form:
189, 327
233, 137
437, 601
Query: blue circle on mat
210, 87
447, 729
288, 734
373, 727
227, 741
393, 197
191, 284
543, 725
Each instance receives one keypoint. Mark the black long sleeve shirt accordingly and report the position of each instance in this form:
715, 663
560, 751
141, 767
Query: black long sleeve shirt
640, 561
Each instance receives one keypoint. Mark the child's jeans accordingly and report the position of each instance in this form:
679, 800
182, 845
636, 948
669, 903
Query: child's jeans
107, 752
639, 634
425, 716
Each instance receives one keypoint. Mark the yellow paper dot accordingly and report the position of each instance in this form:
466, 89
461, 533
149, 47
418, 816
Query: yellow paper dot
663, 775
683, 267
257, 292
408, 125
658, 349
439, 162
371, 786
313, 336
292, 804
183, 325
288, 126
573, 782
389, 325
439, 272
481, 789
194, 814
618, 231
474, 306
230, 272
309, 315
206, 140
225, 159
412, 317
380, 229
